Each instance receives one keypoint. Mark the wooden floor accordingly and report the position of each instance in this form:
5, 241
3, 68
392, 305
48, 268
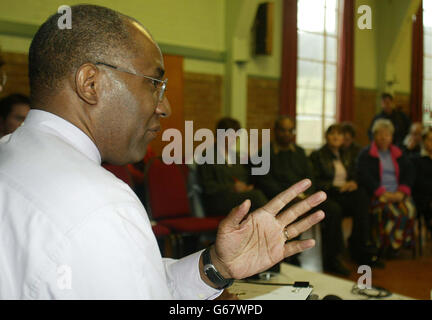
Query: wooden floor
407, 275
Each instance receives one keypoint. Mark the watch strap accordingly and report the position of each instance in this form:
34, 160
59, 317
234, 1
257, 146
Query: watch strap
211, 272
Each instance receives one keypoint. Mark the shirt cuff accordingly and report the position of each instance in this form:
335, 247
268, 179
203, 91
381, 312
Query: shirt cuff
188, 280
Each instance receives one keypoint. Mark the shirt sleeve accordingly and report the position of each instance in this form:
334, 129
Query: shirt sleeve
115, 255
184, 279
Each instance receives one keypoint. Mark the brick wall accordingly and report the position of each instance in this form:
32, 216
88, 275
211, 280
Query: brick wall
16, 66
263, 103
364, 111
203, 99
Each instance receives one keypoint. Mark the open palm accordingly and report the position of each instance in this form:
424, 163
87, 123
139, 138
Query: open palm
247, 245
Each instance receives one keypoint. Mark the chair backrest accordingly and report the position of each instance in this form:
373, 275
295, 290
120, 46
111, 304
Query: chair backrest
167, 191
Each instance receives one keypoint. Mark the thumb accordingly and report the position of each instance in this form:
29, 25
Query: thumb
238, 213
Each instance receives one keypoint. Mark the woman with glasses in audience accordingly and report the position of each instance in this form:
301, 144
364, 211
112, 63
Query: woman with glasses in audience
422, 191
388, 175
334, 173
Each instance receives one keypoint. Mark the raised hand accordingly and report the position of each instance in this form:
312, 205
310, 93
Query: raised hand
247, 244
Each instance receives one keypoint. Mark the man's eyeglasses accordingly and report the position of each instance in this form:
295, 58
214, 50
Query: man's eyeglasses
160, 85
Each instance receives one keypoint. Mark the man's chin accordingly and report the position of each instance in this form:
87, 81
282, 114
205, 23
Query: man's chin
138, 154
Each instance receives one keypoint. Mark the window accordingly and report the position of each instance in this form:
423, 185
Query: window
317, 30
427, 65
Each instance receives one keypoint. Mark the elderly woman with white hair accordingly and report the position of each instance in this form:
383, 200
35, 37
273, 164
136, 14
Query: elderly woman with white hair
388, 175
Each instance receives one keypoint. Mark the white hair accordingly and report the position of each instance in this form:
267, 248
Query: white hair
382, 124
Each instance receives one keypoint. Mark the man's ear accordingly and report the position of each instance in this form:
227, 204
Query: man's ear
86, 82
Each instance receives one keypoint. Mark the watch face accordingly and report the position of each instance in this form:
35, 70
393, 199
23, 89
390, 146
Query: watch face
208, 267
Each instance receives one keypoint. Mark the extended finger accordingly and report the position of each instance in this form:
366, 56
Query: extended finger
236, 215
292, 213
294, 247
298, 228
283, 198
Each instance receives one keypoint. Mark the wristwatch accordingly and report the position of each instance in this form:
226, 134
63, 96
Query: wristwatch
214, 276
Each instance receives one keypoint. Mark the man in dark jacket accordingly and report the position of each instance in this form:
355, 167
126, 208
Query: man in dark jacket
422, 190
288, 162
288, 165
399, 119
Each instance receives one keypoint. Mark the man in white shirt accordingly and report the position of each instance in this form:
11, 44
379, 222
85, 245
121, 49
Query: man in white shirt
68, 228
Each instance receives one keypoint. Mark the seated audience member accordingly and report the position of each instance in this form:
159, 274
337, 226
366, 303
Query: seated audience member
13, 110
412, 143
422, 191
288, 161
398, 118
288, 165
388, 175
351, 148
334, 173
227, 185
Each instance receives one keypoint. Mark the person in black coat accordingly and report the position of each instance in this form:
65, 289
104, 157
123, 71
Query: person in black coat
399, 119
422, 191
334, 173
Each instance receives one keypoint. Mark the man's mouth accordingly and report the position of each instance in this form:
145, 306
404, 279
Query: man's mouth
153, 131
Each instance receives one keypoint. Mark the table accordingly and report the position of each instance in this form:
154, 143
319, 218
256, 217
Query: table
323, 285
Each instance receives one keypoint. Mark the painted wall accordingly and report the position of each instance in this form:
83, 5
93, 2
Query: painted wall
365, 50
380, 54
394, 44
194, 24
270, 66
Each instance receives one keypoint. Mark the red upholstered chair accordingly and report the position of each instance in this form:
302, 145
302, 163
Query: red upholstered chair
168, 200
160, 231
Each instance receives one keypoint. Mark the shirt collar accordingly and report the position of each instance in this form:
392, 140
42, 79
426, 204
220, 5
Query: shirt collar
52, 124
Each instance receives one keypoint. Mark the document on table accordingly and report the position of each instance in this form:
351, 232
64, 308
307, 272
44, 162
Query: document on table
251, 291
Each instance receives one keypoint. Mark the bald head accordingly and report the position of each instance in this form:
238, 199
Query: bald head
284, 130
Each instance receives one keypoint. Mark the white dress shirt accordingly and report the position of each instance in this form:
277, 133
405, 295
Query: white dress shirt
69, 229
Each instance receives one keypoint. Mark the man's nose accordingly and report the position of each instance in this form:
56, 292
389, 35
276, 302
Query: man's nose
163, 108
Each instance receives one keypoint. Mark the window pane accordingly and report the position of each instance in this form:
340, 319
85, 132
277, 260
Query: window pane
310, 15
309, 131
427, 119
331, 21
427, 92
330, 103
332, 4
331, 49
309, 101
428, 44
331, 76
311, 46
310, 74
427, 69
